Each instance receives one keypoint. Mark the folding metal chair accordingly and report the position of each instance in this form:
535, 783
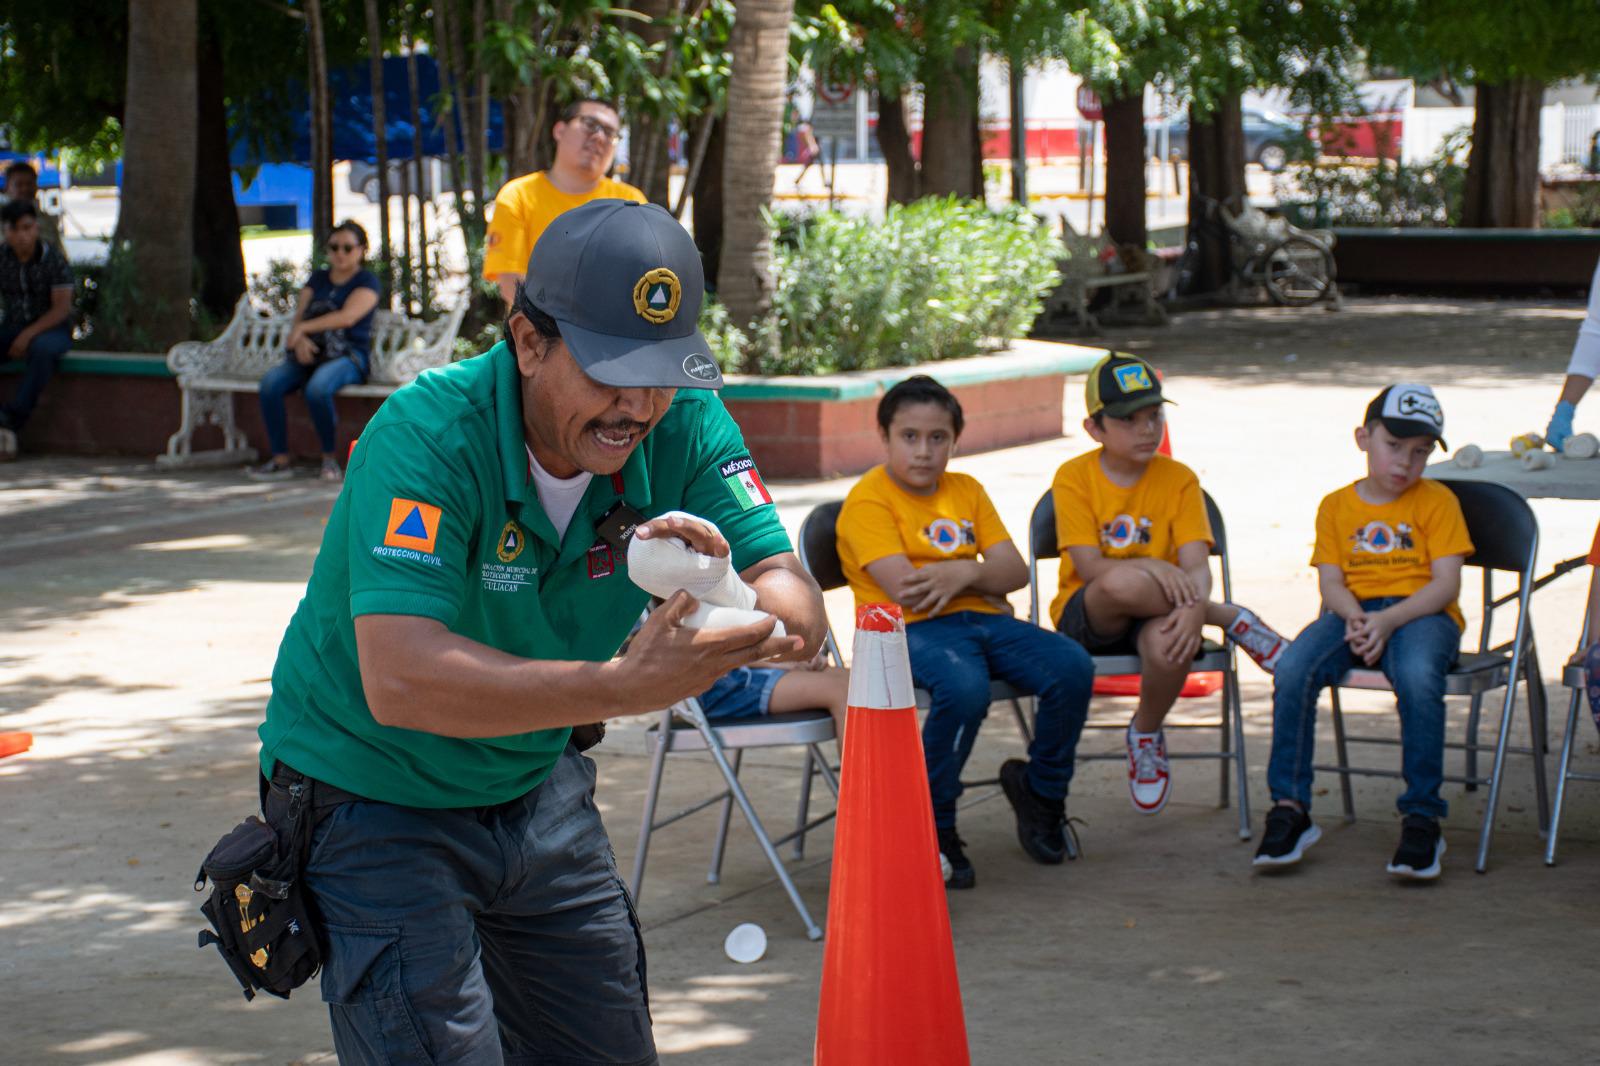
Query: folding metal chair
819, 554
683, 728
1572, 677
1212, 658
1505, 536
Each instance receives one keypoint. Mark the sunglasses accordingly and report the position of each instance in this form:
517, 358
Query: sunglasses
596, 128
333, 247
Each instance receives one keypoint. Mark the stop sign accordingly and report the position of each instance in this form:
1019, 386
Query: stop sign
1088, 103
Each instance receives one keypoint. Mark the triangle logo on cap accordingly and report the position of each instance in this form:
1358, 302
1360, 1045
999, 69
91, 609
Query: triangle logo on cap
656, 296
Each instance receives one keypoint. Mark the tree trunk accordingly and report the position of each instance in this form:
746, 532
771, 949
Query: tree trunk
1016, 79
894, 141
216, 216
1125, 168
420, 273
760, 48
321, 132
698, 145
1503, 168
380, 136
706, 218
649, 147
949, 127
450, 82
1216, 173
156, 221
477, 114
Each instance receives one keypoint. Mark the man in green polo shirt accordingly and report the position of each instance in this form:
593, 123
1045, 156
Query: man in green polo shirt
463, 613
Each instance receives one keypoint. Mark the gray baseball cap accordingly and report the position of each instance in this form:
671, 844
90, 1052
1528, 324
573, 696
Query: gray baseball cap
623, 281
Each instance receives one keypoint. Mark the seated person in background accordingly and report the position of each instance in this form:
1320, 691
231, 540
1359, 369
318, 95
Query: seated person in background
914, 534
757, 691
1135, 562
329, 347
35, 313
1388, 557
22, 186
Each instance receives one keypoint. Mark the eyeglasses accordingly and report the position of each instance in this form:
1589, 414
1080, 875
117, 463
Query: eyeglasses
593, 127
332, 247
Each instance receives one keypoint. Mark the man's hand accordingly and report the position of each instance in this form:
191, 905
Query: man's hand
1369, 634
1175, 584
666, 661
936, 584
1178, 634
699, 536
304, 353
19, 345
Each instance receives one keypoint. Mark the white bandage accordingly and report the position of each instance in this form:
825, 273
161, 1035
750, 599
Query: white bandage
1468, 456
1539, 460
1581, 446
663, 565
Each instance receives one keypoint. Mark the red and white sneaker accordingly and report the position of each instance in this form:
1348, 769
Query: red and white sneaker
1260, 641
1149, 776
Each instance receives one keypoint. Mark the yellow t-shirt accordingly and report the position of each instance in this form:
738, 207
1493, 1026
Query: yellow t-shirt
1388, 549
1162, 511
524, 207
880, 519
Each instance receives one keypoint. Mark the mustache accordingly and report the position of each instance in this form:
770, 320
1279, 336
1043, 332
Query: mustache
618, 426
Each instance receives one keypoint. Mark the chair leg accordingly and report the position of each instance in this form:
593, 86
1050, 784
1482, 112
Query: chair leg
1486, 834
737, 795
724, 816
1562, 768
1225, 740
1238, 748
1474, 719
652, 793
1344, 757
805, 803
1538, 737
1022, 722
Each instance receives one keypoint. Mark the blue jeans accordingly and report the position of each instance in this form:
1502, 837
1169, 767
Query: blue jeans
43, 356
1415, 661
479, 935
320, 382
955, 655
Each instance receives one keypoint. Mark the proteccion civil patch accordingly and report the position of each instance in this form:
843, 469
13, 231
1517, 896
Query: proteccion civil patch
744, 482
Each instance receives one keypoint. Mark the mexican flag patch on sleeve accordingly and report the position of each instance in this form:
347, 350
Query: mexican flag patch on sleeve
744, 482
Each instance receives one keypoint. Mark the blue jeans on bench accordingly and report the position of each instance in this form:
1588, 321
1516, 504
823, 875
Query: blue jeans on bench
1416, 659
320, 383
43, 356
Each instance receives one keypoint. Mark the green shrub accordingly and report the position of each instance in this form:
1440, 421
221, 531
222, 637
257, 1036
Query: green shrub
1390, 193
936, 279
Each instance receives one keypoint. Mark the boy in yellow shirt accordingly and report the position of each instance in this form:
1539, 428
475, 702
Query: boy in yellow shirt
1135, 547
1388, 557
915, 534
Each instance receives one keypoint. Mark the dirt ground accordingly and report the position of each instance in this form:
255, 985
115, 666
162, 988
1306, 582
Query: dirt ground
142, 610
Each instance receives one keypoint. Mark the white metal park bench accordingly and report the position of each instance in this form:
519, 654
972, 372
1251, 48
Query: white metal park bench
210, 372
1084, 272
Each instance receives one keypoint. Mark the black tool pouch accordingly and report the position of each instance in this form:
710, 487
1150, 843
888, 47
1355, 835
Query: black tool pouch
260, 917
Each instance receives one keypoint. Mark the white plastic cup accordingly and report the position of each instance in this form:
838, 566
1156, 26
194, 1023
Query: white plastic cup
746, 943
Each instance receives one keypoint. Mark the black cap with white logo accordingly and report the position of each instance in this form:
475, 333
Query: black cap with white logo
623, 281
1408, 411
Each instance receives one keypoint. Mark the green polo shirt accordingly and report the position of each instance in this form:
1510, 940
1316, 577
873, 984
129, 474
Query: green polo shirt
438, 518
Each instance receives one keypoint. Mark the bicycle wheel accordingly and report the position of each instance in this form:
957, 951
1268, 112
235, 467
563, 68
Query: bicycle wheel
1299, 271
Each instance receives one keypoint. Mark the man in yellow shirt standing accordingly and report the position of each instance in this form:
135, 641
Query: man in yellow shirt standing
586, 142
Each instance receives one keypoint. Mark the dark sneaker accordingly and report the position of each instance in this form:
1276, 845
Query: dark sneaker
962, 875
1420, 851
271, 470
1040, 822
1289, 833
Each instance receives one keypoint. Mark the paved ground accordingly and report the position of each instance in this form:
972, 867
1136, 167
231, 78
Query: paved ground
142, 611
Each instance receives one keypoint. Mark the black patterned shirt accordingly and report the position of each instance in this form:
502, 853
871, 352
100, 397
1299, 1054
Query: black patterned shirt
25, 287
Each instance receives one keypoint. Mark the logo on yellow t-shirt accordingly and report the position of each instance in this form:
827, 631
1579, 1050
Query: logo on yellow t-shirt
1378, 538
1123, 531
412, 524
948, 534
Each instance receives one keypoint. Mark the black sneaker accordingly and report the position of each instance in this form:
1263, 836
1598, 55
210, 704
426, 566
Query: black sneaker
1420, 851
962, 875
1289, 833
1040, 822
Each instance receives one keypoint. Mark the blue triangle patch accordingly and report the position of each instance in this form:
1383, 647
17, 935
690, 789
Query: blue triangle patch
412, 526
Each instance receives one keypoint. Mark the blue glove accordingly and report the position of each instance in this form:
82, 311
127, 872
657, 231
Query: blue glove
1560, 427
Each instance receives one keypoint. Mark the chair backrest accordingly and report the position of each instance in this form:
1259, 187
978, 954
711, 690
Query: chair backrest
819, 545
1504, 532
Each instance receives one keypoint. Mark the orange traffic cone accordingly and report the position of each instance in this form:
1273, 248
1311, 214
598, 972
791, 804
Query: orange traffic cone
15, 743
890, 995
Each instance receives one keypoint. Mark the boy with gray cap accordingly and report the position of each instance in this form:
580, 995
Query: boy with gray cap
1388, 555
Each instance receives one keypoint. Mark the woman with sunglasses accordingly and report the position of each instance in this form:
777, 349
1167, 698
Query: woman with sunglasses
329, 347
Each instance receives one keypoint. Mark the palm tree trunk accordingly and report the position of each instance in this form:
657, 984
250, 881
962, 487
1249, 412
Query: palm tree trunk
380, 136
321, 131
156, 220
760, 47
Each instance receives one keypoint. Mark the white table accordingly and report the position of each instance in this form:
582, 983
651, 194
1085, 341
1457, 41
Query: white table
1563, 479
